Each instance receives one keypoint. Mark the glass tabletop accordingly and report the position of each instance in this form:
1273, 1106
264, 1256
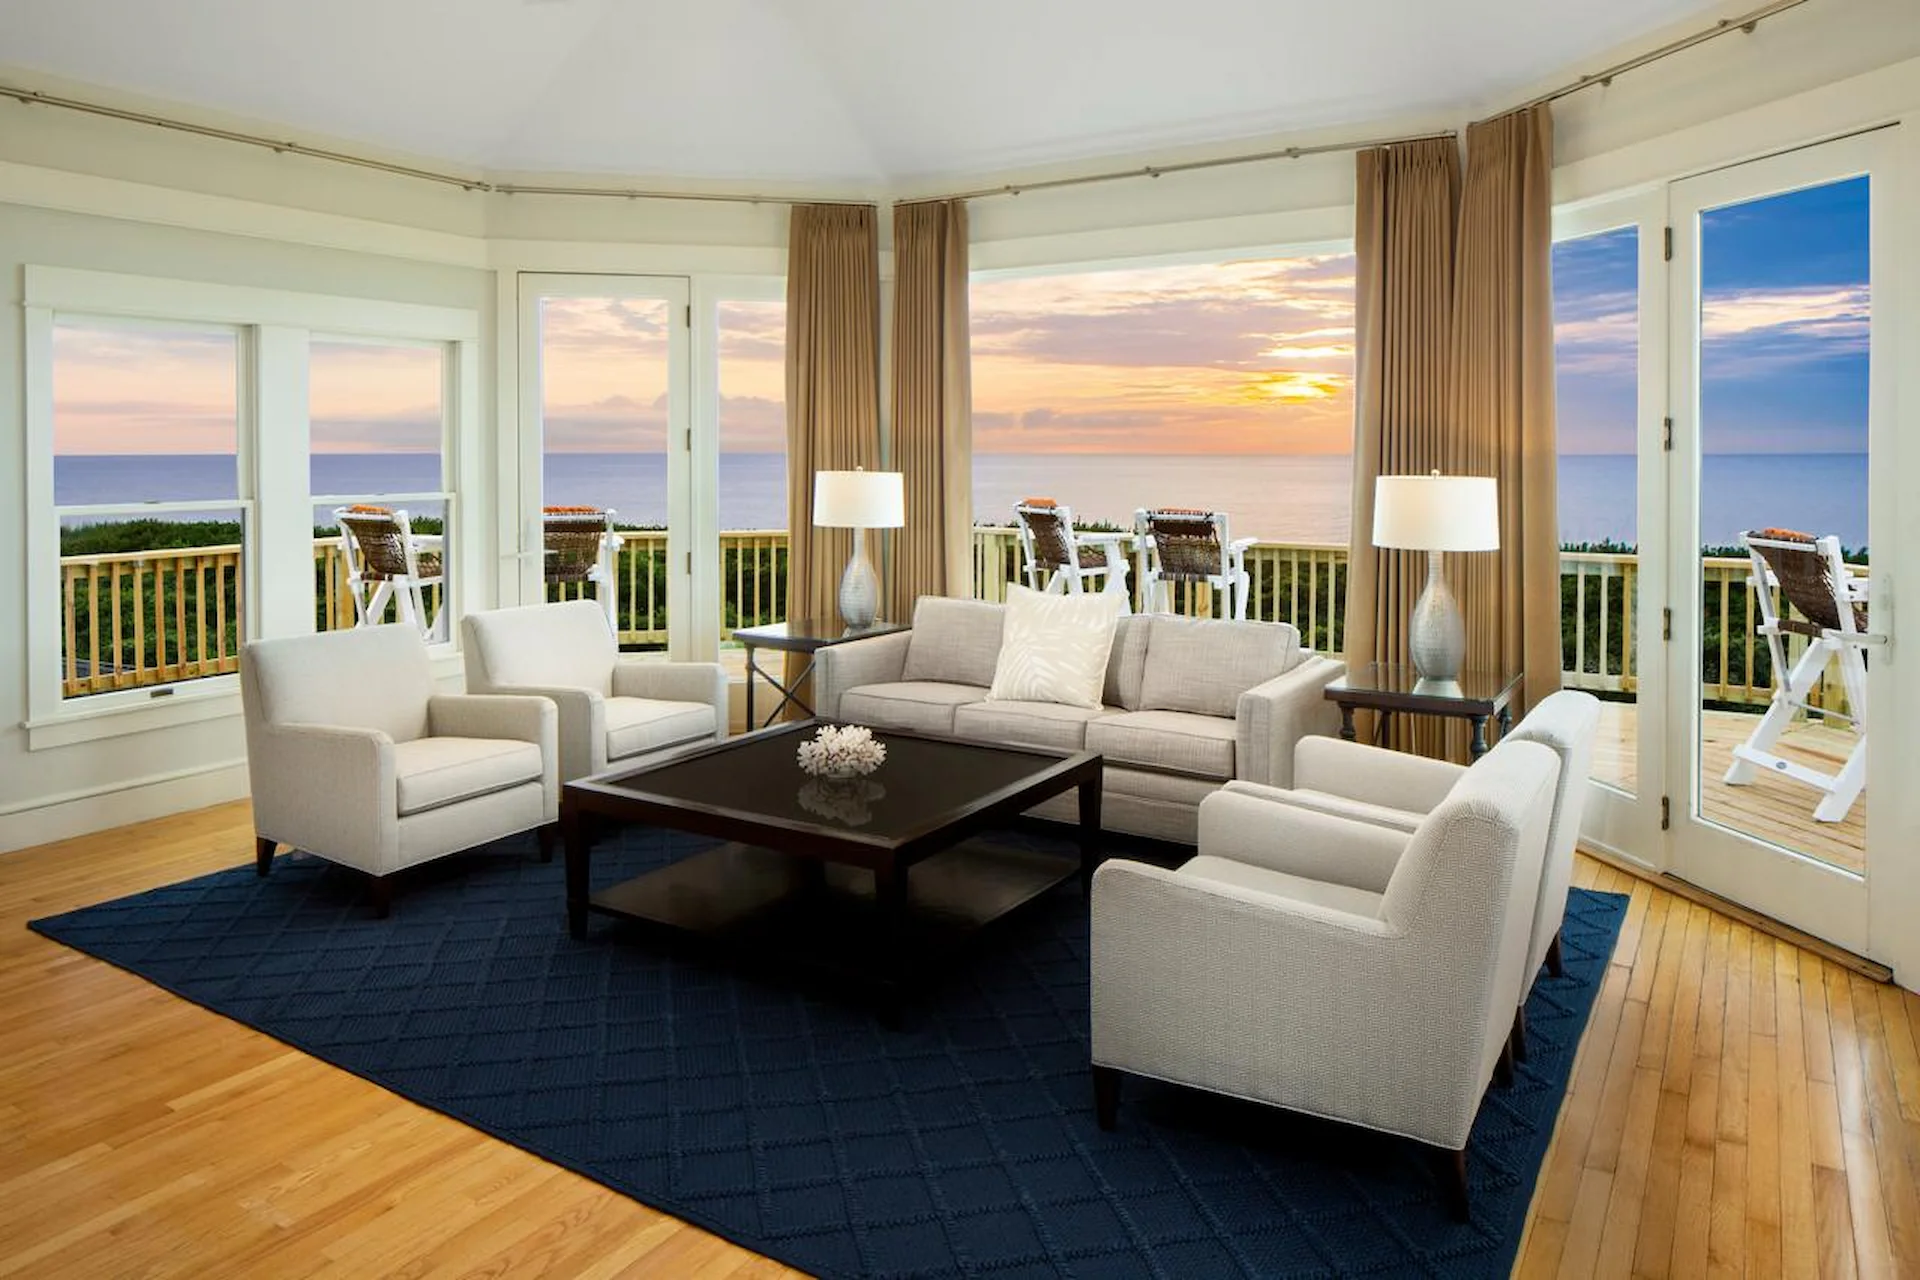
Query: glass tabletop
1396, 679
810, 633
921, 780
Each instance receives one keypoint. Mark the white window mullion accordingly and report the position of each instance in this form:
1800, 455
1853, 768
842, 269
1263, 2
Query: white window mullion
281, 564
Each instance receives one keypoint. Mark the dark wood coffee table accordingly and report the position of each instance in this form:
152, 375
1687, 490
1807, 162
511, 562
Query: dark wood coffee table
874, 880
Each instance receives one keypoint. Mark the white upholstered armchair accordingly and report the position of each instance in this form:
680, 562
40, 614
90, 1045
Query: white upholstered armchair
1330, 966
613, 710
355, 758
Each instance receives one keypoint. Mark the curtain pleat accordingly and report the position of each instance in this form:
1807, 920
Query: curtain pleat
1454, 373
833, 389
932, 443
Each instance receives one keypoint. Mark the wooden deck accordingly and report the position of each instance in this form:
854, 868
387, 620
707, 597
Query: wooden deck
1738, 1106
1771, 808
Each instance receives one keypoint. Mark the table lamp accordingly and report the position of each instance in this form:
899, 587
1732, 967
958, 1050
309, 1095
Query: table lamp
859, 500
1436, 513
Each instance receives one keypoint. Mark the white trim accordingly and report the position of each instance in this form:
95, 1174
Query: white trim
86, 810
125, 711
38, 187
1289, 233
71, 290
594, 257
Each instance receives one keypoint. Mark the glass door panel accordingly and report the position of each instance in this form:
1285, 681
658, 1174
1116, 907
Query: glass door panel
1773, 321
752, 497
604, 375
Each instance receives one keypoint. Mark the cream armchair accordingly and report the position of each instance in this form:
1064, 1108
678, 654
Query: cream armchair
613, 710
1396, 790
1330, 966
352, 755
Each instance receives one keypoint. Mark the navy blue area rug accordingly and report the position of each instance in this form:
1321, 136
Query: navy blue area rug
961, 1144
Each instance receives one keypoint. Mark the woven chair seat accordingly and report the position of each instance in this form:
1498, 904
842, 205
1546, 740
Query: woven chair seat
429, 562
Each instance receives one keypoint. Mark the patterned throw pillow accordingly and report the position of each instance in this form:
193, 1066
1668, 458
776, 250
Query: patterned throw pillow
1054, 648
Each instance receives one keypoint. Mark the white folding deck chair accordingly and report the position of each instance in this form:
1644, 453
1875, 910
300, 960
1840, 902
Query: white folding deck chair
1189, 545
1057, 558
581, 546
1813, 579
387, 560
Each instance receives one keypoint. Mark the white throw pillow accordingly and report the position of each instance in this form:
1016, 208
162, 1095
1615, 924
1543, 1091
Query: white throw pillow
1054, 648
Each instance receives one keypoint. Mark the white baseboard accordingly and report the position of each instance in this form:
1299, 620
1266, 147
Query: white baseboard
82, 812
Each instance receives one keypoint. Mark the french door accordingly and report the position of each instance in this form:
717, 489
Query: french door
606, 422
1778, 394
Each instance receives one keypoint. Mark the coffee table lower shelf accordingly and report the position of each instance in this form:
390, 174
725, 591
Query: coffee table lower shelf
777, 909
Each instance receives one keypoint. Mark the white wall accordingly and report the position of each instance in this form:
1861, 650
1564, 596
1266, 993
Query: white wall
58, 791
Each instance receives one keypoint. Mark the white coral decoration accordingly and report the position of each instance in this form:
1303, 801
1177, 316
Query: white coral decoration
842, 751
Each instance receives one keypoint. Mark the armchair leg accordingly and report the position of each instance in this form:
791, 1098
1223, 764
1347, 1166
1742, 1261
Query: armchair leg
1106, 1095
546, 835
382, 887
1453, 1181
1518, 1037
1555, 965
1503, 1069
263, 851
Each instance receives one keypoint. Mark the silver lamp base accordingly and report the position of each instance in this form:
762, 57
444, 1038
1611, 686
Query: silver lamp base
859, 586
1438, 641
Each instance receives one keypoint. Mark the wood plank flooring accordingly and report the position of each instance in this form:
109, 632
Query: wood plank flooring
1738, 1107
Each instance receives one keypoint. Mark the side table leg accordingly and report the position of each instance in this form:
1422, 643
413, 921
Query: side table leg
1506, 720
1089, 831
1346, 722
573, 831
751, 726
1479, 745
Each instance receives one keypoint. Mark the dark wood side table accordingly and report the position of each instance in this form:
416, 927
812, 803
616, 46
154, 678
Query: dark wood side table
1390, 687
800, 635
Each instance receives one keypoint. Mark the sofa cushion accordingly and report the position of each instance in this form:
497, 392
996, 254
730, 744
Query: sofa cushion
432, 772
1204, 665
1127, 662
1245, 875
953, 641
1170, 741
635, 725
1054, 648
924, 706
1028, 724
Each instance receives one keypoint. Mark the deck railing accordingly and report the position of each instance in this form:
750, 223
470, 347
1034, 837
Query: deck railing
134, 619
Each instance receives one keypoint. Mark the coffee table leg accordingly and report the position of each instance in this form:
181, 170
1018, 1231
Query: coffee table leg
890, 893
573, 831
1089, 831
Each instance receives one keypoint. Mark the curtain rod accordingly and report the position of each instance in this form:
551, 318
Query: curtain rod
32, 97
1745, 22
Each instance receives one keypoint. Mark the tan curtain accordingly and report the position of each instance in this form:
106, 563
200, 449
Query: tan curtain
1502, 395
932, 404
1403, 308
833, 386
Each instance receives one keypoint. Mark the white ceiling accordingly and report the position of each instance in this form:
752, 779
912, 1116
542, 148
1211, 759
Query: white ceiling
843, 91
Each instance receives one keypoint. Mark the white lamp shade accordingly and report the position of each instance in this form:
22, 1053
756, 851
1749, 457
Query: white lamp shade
859, 500
1436, 513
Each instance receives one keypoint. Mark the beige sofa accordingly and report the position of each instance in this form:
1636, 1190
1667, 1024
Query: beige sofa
1189, 704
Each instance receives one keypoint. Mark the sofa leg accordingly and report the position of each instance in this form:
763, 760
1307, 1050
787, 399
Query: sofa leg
1555, 965
263, 851
382, 887
1503, 1069
1518, 1037
1453, 1182
547, 835
1106, 1095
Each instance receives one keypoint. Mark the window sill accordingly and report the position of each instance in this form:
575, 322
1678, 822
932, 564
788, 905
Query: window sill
215, 698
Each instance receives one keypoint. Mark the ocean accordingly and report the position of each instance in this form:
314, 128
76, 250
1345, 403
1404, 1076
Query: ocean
1275, 497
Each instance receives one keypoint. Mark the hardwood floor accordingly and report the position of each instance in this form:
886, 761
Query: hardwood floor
1739, 1107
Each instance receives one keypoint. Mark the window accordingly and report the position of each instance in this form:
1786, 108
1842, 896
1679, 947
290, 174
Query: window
1222, 386
376, 438
149, 503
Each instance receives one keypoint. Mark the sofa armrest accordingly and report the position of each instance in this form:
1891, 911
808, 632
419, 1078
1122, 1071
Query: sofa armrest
1271, 717
1373, 775
1260, 826
329, 789
1300, 1005
840, 667
675, 682
581, 731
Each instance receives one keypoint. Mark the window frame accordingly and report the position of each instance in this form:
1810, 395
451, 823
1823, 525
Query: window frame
275, 328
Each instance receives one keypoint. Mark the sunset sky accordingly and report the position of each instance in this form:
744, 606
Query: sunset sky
1226, 358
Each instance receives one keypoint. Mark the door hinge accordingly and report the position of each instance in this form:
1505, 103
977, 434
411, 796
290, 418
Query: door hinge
1666, 624
1666, 440
689, 439
690, 308
689, 564
1666, 813
1666, 246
